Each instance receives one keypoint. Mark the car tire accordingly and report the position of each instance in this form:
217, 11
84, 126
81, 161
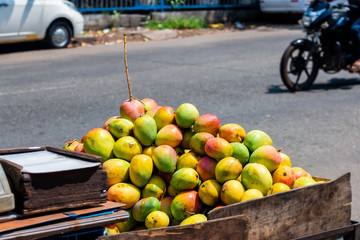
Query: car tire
58, 35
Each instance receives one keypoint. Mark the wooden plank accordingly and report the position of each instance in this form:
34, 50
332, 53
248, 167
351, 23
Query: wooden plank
297, 212
235, 227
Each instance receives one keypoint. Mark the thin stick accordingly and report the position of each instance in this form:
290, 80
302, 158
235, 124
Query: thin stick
126, 68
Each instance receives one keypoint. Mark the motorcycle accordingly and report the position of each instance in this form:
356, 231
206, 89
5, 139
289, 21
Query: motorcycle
327, 46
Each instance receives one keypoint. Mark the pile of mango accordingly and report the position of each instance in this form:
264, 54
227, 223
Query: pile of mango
170, 167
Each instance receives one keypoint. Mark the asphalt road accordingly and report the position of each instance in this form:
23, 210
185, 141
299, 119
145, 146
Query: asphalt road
50, 96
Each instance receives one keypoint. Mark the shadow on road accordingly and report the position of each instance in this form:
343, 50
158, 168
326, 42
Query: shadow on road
332, 84
21, 47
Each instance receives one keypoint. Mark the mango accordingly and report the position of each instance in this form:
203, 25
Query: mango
111, 229
131, 109
99, 142
240, 152
266, 155
185, 179
79, 148
185, 115
106, 124
231, 192
255, 175
165, 158
157, 219
141, 168
251, 194
207, 123
127, 147
117, 171
164, 116
165, 206
144, 207
255, 139
127, 225
232, 132
206, 168
187, 134
149, 150
156, 187
197, 218
218, 148
172, 191
284, 174
228, 168
209, 192
148, 103
145, 130
71, 144
198, 141
125, 193
152, 111
188, 160
120, 127
303, 182
185, 204
300, 172
169, 135
285, 159
278, 187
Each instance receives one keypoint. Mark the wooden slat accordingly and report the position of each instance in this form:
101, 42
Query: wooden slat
297, 212
235, 227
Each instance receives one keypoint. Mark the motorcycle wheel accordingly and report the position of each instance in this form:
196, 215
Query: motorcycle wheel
298, 70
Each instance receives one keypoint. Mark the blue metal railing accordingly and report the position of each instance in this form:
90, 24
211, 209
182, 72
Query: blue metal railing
159, 5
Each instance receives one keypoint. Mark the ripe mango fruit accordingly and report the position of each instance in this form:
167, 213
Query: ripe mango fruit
144, 207
99, 142
145, 130
185, 179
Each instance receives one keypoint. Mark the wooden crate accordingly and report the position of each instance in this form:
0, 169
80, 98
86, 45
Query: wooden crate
296, 213
37, 190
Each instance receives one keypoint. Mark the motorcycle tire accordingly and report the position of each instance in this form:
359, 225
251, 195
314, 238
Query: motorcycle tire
294, 65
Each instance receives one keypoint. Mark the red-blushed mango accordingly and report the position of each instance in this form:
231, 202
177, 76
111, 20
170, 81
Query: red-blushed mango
144, 207
232, 132
266, 155
300, 172
117, 171
284, 174
186, 204
185, 179
255, 139
218, 148
165, 158
228, 168
207, 123
285, 159
186, 115
106, 124
71, 144
145, 130
79, 148
196, 218
188, 160
165, 206
198, 141
251, 194
169, 135
149, 150
131, 109
127, 147
231, 192
125, 193
303, 182
157, 219
255, 175
209, 192
152, 111
164, 116
240, 152
148, 103
99, 142
156, 187
206, 168
141, 168
120, 127
127, 225
187, 134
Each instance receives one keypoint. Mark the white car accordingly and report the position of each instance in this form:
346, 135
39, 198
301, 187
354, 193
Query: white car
284, 6
53, 21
